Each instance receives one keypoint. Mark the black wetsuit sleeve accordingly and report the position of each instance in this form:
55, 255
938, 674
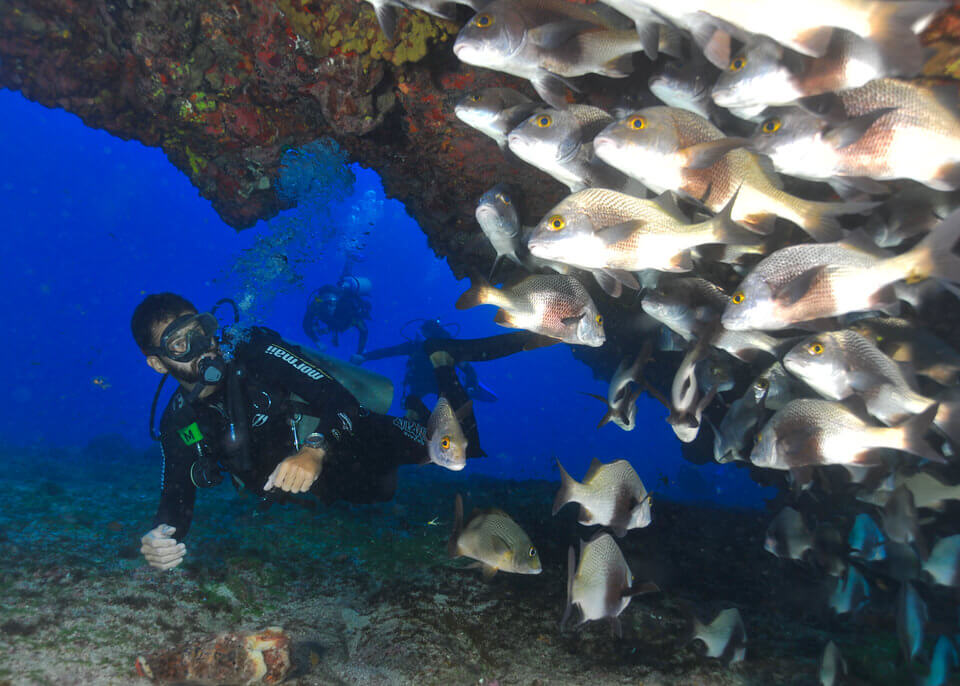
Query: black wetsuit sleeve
408, 348
272, 359
177, 492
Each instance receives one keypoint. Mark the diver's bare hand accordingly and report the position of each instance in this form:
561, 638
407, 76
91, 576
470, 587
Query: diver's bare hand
297, 473
160, 549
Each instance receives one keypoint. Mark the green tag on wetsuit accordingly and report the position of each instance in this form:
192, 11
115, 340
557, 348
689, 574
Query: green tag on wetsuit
191, 434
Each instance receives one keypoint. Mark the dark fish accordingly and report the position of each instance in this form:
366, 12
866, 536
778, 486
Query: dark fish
945, 660
866, 540
560, 143
495, 112
547, 41
851, 592
497, 216
832, 666
904, 341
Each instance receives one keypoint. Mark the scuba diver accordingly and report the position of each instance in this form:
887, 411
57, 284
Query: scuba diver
332, 309
419, 379
279, 420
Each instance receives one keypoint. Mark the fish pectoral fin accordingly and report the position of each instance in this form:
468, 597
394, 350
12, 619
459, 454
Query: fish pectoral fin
551, 88
618, 232
827, 106
641, 588
557, 34
703, 155
607, 283
570, 321
849, 132
489, 572
863, 380
624, 277
795, 289
503, 318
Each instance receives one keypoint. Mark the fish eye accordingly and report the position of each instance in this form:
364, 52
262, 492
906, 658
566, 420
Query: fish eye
762, 384
556, 223
532, 552
879, 338
502, 198
484, 20
543, 120
738, 63
599, 320
474, 98
445, 442
815, 348
738, 297
758, 437
636, 122
771, 125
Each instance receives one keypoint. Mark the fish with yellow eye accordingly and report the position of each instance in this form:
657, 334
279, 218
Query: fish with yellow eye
101, 382
807, 282
495, 112
446, 444
548, 41
494, 540
553, 305
560, 143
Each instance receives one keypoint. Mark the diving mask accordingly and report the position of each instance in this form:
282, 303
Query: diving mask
188, 337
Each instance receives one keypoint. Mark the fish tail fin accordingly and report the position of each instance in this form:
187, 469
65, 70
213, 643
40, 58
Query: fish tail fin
819, 219
477, 294
913, 431
694, 625
567, 486
452, 546
649, 34
571, 573
948, 176
948, 416
387, 18
892, 29
933, 256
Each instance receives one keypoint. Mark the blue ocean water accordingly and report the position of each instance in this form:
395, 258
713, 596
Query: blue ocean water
93, 223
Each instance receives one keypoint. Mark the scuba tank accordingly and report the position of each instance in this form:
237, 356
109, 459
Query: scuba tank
355, 285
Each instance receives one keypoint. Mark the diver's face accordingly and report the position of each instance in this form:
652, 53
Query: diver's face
187, 373
329, 306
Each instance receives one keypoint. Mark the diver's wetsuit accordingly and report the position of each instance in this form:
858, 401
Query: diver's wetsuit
365, 448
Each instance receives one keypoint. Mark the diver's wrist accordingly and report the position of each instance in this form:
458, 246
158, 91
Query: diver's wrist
317, 441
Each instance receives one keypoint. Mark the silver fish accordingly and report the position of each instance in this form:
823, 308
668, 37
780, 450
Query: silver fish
725, 637
611, 495
911, 620
801, 283
943, 565
493, 539
788, 536
808, 29
691, 307
900, 521
851, 592
832, 666
625, 387
730, 438
603, 229
672, 149
560, 143
774, 387
495, 112
840, 364
601, 585
887, 129
446, 444
497, 216
810, 432
553, 305
546, 42
684, 85
764, 73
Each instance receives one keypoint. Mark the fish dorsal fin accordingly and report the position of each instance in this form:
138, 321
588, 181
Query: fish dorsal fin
668, 203
847, 133
595, 466
556, 34
703, 155
794, 290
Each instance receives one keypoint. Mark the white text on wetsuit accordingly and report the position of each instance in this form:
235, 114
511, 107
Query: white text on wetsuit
294, 361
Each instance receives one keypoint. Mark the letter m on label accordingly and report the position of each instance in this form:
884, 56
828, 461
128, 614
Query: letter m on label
190, 434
